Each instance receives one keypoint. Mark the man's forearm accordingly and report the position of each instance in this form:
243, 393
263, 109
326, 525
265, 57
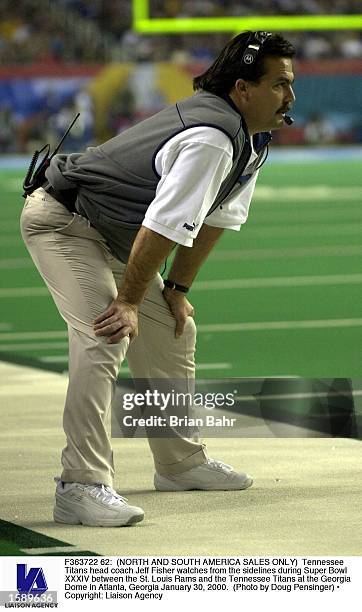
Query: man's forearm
149, 251
188, 261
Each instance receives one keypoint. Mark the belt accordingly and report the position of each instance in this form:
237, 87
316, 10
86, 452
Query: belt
67, 197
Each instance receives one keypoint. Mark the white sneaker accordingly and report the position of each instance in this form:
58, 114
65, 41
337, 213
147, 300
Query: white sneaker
92, 505
210, 476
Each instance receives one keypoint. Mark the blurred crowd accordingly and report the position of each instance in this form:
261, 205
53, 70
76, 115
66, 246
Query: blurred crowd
213, 8
29, 33
48, 124
56, 32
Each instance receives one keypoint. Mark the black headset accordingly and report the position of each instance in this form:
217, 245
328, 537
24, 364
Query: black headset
253, 44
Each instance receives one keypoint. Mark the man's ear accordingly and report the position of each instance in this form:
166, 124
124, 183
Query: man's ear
242, 89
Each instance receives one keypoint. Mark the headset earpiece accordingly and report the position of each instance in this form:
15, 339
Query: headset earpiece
255, 41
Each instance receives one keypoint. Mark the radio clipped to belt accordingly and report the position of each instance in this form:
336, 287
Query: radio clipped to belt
35, 177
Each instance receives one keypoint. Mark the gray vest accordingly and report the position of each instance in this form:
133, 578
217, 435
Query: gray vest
117, 181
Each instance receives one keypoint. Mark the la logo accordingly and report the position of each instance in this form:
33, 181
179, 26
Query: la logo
33, 582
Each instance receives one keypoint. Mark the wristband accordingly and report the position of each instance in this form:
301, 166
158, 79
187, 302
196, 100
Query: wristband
172, 285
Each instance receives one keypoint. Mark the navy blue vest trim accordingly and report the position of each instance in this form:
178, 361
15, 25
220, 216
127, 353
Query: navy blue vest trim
179, 114
260, 141
231, 103
241, 167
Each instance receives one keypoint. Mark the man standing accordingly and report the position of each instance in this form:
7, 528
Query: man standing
100, 228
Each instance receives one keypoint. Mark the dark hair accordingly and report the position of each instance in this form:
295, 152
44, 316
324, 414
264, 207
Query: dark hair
220, 77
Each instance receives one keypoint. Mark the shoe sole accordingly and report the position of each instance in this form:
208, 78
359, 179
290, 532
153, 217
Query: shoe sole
164, 485
75, 521
68, 518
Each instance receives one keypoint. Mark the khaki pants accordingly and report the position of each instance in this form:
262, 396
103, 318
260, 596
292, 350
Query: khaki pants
82, 276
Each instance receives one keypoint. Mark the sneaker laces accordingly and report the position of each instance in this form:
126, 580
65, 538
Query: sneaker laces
220, 465
107, 495
103, 492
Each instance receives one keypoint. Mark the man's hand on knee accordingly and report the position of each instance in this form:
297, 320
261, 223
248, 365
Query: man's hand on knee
180, 308
118, 321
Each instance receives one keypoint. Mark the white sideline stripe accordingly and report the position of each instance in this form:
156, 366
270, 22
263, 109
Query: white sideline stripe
269, 192
315, 217
199, 366
33, 335
292, 229
202, 328
231, 283
54, 358
292, 396
6, 348
24, 292
14, 263
281, 281
213, 366
287, 216
52, 549
340, 251
207, 328
270, 325
308, 193
211, 381
299, 230
226, 255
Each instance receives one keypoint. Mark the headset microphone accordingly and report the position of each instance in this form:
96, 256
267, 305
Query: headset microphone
288, 119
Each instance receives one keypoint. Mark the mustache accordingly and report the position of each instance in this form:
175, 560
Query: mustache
285, 109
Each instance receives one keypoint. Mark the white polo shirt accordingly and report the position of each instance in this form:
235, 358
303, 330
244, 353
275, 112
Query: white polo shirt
192, 166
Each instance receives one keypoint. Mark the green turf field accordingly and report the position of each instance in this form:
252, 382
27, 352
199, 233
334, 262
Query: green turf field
17, 541
282, 297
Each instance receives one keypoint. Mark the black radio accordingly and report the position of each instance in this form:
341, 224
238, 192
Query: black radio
35, 177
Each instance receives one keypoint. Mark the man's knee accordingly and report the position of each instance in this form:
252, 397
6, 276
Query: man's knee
88, 351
